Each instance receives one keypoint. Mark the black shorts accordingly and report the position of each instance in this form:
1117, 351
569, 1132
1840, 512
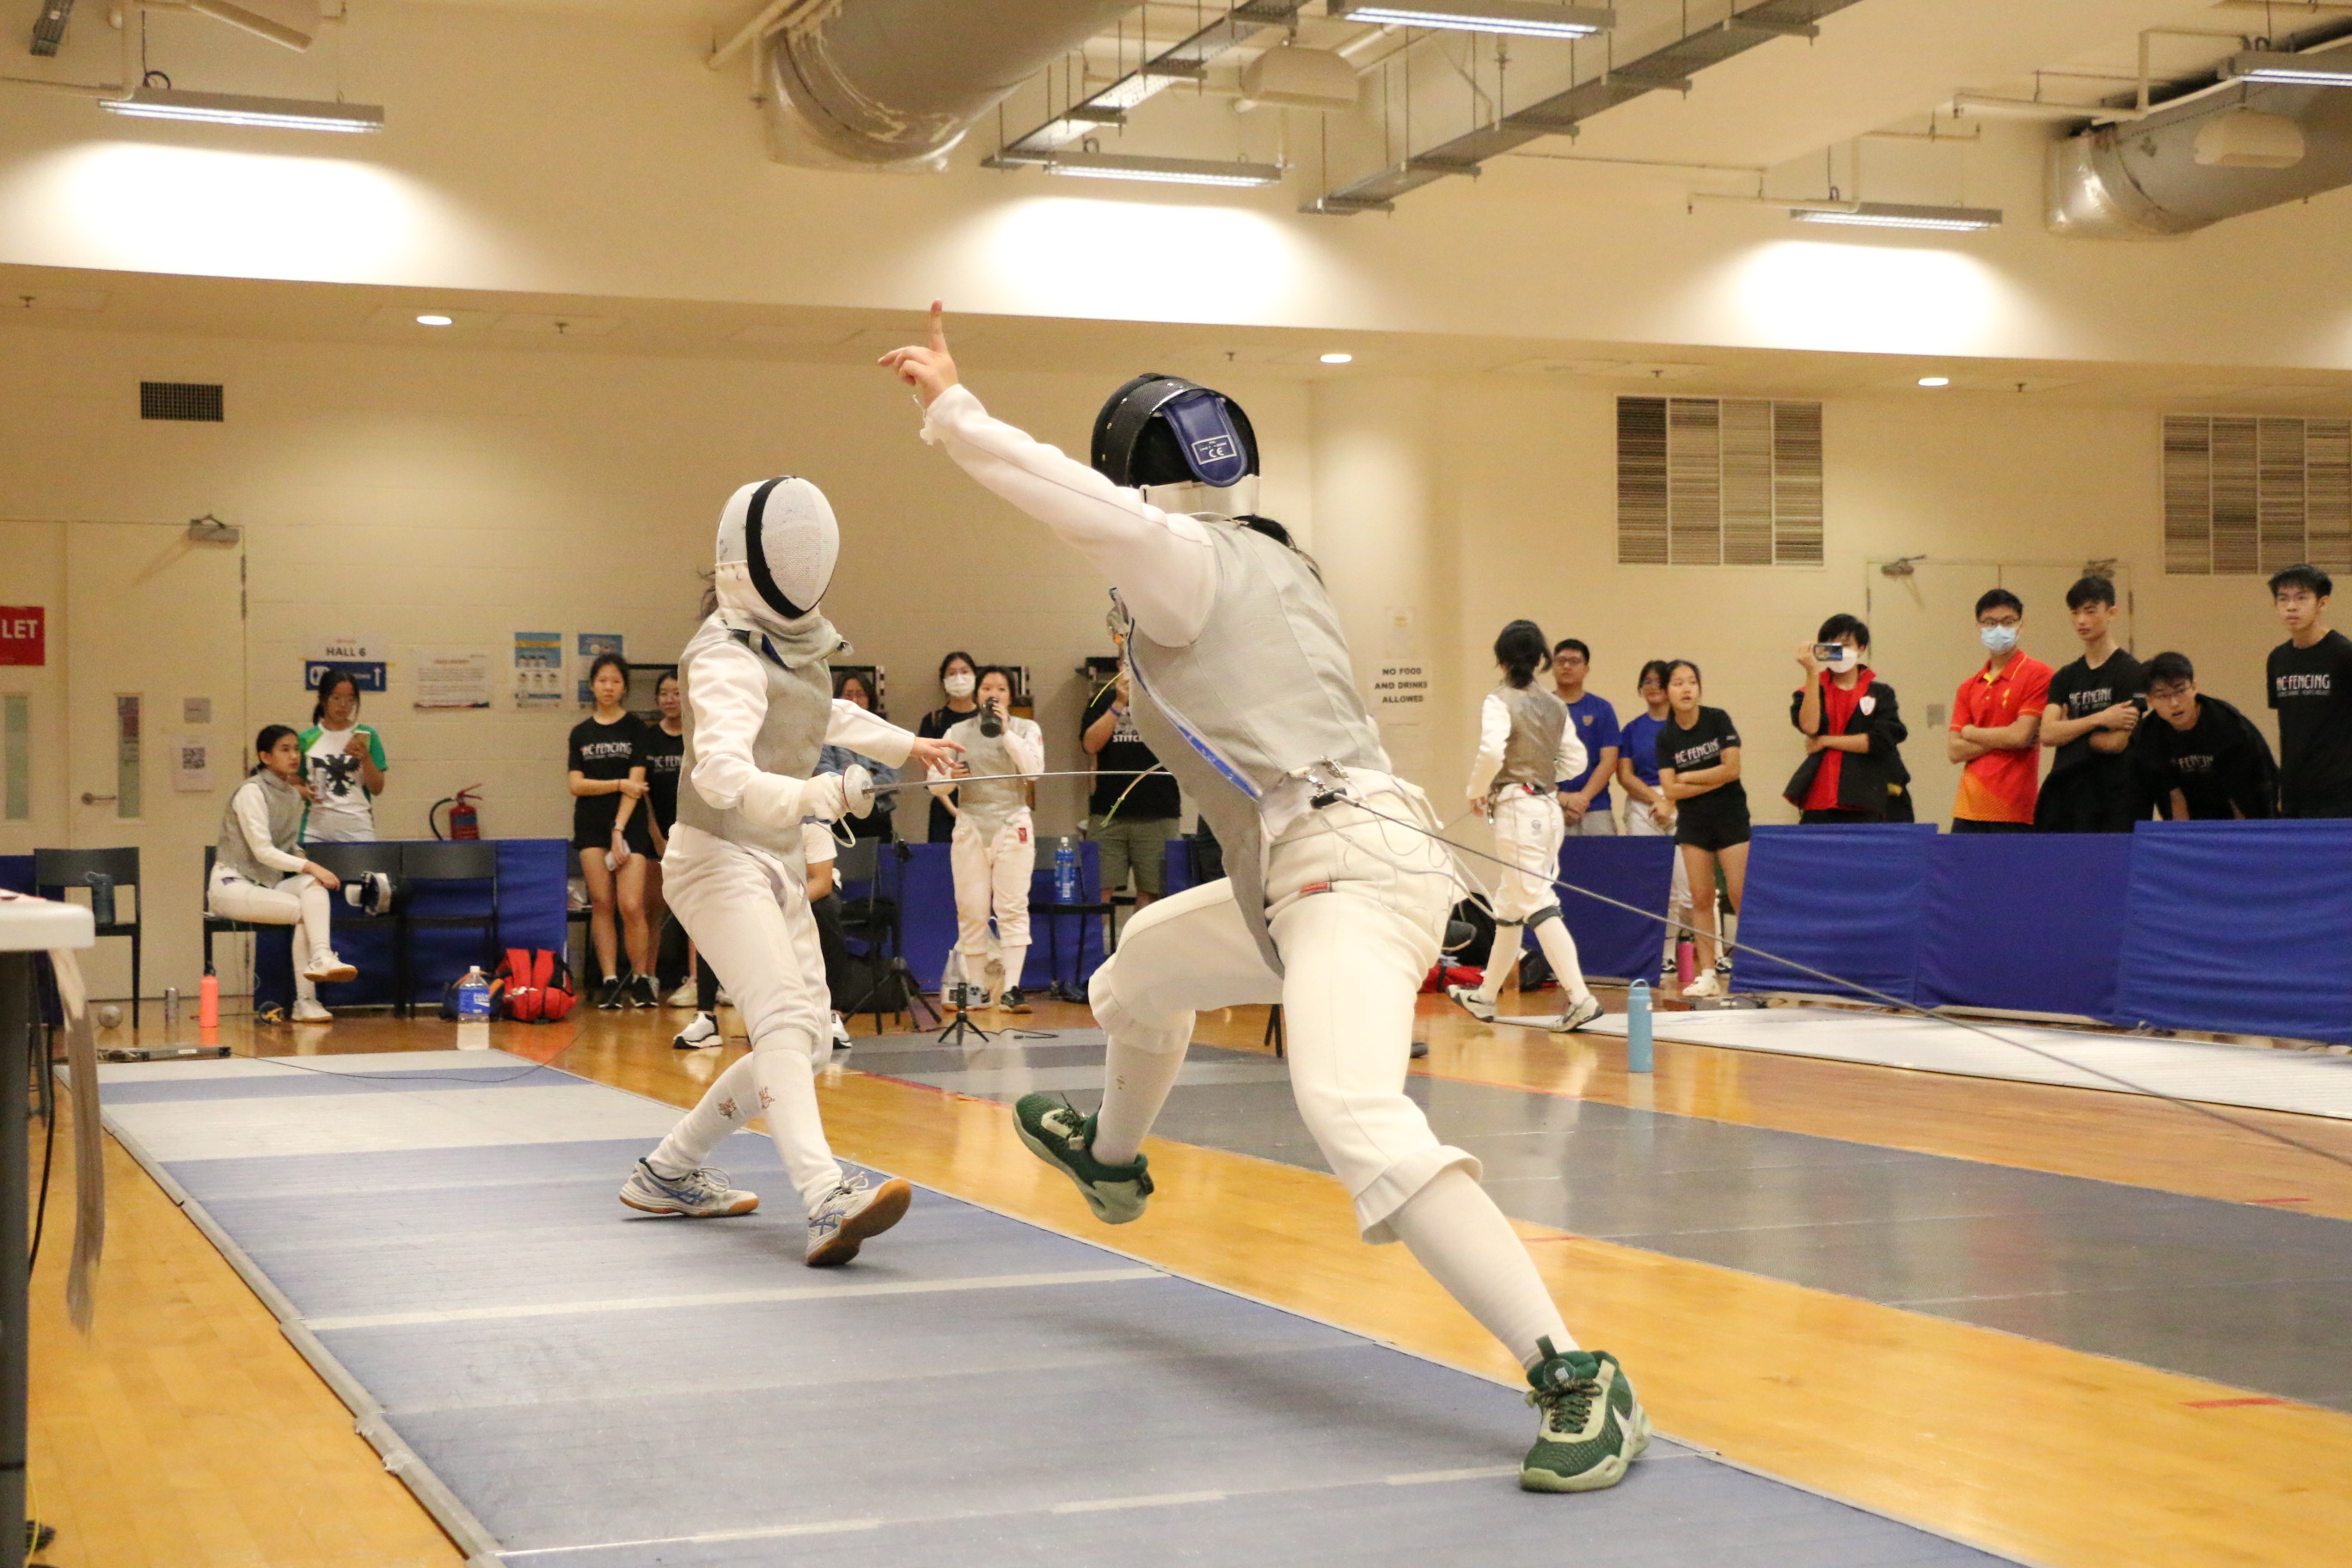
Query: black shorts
1711, 833
599, 836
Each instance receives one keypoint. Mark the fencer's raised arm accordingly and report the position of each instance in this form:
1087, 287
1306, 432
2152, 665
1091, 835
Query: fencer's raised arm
1161, 562
868, 734
1493, 736
730, 697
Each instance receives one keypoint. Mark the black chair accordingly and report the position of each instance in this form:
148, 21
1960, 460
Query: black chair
436, 868
350, 862
215, 925
1087, 910
874, 921
55, 870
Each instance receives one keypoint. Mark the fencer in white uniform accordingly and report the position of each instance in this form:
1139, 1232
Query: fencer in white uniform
1525, 746
1339, 889
994, 849
759, 707
259, 877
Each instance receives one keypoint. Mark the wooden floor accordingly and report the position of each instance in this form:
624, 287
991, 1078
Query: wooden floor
186, 1431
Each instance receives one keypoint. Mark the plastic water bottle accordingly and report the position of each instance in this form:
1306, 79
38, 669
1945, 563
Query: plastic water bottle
1637, 1029
1065, 870
474, 997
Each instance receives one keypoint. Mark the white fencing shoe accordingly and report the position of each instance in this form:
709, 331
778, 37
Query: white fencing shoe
307, 1010
326, 969
851, 1215
703, 1193
1477, 1006
1579, 1014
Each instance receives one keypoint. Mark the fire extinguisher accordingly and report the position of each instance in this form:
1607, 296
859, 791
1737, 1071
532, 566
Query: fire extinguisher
465, 819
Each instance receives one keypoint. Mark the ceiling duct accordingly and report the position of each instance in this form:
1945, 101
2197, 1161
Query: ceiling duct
895, 84
2184, 169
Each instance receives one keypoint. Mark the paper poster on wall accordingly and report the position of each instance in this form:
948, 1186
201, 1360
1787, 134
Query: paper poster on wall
592, 646
539, 669
191, 764
360, 658
16, 736
453, 678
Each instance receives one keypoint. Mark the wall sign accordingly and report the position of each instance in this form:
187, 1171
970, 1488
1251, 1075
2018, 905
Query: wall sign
539, 669
23, 634
452, 678
360, 657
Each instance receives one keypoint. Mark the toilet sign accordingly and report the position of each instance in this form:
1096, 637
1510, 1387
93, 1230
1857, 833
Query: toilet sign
23, 634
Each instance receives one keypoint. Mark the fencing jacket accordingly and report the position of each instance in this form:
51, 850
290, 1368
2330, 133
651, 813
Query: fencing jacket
989, 801
1241, 671
1524, 738
756, 714
264, 814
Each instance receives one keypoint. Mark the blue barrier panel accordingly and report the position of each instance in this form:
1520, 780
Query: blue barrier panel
2240, 926
2029, 921
1613, 943
927, 915
17, 873
1845, 900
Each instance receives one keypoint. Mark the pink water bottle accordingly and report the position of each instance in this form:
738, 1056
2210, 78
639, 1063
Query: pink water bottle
208, 1001
1685, 963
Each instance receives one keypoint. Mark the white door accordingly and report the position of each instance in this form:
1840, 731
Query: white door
33, 696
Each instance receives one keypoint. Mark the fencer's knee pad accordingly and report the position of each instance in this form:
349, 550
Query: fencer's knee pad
1127, 1024
1548, 913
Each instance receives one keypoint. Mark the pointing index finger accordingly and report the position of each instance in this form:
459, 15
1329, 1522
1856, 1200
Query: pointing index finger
939, 327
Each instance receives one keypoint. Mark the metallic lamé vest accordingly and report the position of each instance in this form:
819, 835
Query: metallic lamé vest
800, 707
1531, 755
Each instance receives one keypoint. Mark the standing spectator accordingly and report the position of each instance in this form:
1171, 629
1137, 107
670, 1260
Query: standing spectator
1648, 813
1132, 812
994, 850
1698, 770
662, 749
2311, 687
850, 686
1996, 716
958, 677
2093, 787
1584, 802
257, 876
2200, 760
1851, 728
610, 835
344, 760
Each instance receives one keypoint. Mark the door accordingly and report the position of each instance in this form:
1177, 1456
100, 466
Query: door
1924, 643
153, 636
33, 688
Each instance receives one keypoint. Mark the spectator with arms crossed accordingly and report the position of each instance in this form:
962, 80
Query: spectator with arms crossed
1996, 715
2311, 687
2089, 718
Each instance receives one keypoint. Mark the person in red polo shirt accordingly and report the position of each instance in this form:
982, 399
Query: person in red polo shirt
1996, 721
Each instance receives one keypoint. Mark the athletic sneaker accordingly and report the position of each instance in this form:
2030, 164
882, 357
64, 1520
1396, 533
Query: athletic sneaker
1058, 1135
326, 969
1477, 1006
1579, 1014
1705, 986
641, 992
851, 1215
685, 995
615, 992
307, 1010
703, 1031
1593, 1425
840, 1034
1012, 1001
703, 1193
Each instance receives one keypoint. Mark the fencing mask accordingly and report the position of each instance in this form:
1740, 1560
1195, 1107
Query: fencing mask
777, 545
1188, 448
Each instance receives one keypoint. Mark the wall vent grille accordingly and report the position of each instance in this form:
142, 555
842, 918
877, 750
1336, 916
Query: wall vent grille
2245, 496
1718, 481
195, 400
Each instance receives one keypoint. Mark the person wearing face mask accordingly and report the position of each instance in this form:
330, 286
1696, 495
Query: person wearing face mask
759, 710
958, 677
994, 851
1852, 771
1996, 723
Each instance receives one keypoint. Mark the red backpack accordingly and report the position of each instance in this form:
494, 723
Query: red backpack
532, 987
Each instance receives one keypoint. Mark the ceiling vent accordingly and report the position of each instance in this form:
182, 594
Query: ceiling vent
1294, 78
2249, 139
197, 401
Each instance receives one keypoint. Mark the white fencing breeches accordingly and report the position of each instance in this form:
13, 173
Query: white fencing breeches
748, 914
992, 865
1354, 949
298, 902
1528, 831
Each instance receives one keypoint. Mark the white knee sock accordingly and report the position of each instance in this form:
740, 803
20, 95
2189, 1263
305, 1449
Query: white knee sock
733, 1099
788, 1098
1139, 1069
1016, 957
1454, 1230
1502, 959
1559, 949
316, 931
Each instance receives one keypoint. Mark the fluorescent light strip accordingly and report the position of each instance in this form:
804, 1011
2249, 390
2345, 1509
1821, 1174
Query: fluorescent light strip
1520, 19
1162, 170
2297, 70
236, 108
1895, 215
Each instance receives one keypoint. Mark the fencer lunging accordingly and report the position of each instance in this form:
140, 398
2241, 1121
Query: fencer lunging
1244, 690
1525, 746
994, 849
759, 707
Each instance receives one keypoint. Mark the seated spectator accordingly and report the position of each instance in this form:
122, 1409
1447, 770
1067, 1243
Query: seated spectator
1698, 770
2311, 687
257, 876
1648, 813
1995, 716
850, 686
2093, 787
1584, 800
2200, 760
344, 760
1853, 771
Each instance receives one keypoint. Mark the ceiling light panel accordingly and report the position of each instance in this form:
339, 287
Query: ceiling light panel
1162, 170
1518, 18
2333, 68
1898, 215
236, 108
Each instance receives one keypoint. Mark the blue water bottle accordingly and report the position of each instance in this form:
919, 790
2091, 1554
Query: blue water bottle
1637, 1029
474, 997
1066, 871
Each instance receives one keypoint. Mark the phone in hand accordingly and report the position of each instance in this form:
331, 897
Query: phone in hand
1829, 652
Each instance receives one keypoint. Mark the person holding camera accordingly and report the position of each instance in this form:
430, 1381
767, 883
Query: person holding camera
257, 876
1853, 771
2095, 704
994, 850
344, 760
612, 833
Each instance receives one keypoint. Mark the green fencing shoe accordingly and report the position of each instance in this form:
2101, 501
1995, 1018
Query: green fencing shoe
1593, 1425
1058, 1135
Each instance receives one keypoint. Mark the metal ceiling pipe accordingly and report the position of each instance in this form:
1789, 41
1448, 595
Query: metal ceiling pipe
2142, 180
893, 85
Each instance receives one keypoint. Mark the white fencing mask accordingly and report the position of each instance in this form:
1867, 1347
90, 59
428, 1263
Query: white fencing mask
777, 545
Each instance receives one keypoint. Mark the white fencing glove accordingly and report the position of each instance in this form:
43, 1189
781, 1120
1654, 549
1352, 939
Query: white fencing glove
825, 798
857, 791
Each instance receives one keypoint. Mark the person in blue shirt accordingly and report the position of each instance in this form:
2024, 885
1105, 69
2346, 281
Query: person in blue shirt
1584, 800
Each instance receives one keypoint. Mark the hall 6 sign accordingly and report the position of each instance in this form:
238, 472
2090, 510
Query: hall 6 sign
23, 634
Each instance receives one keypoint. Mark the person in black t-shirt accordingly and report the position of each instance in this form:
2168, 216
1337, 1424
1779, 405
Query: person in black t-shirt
2311, 687
2199, 758
2093, 787
610, 833
958, 677
1698, 770
1132, 811
661, 752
